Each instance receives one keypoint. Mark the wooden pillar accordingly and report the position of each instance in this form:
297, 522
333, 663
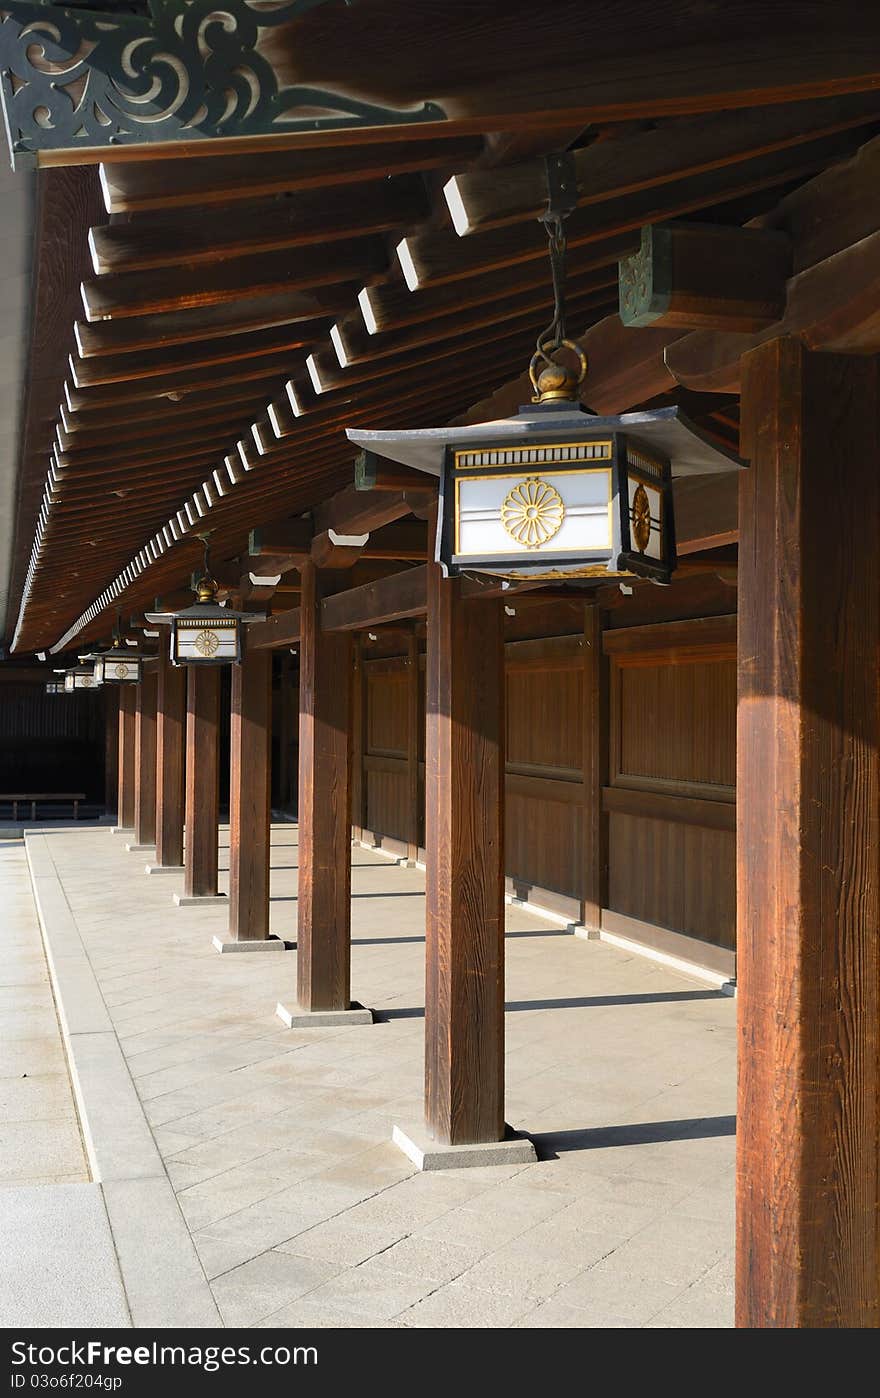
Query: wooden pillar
358, 708
464, 780
324, 903
808, 842
125, 764
413, 723
170, 743
145, 760
111, 748
595, 766
249, 797
202, 800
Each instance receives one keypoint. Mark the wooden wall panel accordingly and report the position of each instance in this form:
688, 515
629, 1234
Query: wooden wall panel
544, 843
385, 742
672, 743
674, 875
386, 802
671, 747
694, 708
544, 715
386, 712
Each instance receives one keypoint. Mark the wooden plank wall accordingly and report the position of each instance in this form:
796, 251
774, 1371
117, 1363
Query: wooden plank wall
546, 719
51, 742
672, 772
669, 798
392, 812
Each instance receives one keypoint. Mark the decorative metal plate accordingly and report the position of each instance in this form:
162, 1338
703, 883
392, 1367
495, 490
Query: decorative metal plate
175, 70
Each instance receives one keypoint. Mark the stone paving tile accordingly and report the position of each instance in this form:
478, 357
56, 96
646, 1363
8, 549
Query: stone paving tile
278, 1141
337, 1240
251, 1292
458, 1306
372, 1289
558, 1315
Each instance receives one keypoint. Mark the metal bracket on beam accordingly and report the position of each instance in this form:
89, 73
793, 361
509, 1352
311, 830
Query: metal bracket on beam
77, 78
562, 183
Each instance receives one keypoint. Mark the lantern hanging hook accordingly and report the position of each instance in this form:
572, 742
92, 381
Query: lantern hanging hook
555, 381
206, 587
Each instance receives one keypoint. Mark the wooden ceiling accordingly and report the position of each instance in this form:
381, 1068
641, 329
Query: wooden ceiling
207, 326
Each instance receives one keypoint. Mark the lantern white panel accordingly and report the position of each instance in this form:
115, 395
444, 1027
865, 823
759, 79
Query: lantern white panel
645, 518
209, 642
121, 671
554, 512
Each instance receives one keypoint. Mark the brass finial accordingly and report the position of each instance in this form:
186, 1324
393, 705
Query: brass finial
557, 382
206, 589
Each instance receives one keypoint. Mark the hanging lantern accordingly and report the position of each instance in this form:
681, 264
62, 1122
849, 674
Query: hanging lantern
206, 633
80, 677
556, 492
118, 665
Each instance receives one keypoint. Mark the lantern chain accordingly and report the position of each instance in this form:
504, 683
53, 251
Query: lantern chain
561, 200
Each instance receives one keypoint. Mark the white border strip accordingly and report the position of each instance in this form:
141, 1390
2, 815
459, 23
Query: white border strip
164, 1281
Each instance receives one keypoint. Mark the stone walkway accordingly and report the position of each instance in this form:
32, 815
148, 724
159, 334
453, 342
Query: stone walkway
277, 1141
40, 1141
58, 1265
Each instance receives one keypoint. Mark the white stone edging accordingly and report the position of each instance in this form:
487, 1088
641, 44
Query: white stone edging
164, 1282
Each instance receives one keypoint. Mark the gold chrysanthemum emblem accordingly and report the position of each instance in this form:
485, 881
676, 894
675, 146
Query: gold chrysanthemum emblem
207, 644
532, 512
120, 671
641, 518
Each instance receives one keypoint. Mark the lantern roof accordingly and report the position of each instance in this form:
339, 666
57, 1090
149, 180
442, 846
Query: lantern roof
206, 609
690, 451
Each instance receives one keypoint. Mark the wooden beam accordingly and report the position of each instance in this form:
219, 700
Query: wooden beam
372, 472
319, 216
276, 631
706, 511
324, 899
354, 511
249, 798
287, 536
808, 890
464, 942
134, 334
145, 760
405, 539
834, 305
125, 801
435, 256
171, 289
695, 275
333, 550
170, 763
832, 211
230, 349
202, 781
480, 199
390, 599
206, 180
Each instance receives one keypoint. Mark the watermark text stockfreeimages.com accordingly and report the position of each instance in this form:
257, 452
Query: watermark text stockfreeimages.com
95, 1354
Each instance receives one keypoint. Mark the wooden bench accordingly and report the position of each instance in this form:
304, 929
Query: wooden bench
73, 797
